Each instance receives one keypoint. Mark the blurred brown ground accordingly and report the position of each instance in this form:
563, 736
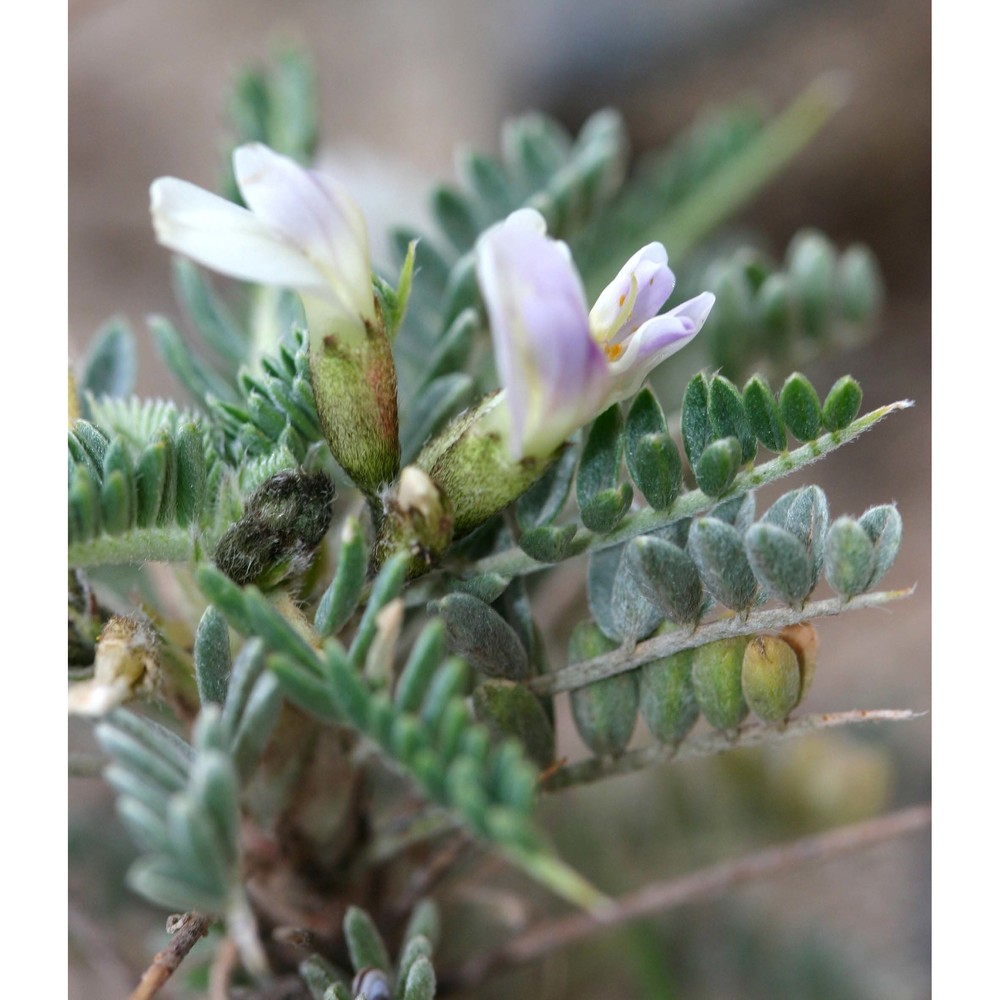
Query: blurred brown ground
410, 81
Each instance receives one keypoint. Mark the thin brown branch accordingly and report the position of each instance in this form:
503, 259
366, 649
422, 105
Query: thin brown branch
429, 875
704, 884
187, 931
427, 826
622, 660
594, 768
227, 957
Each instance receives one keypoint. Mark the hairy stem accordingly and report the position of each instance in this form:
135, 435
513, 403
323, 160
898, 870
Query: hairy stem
187, 931
752, 734
704, 884
514, 562
139, 545
622, 660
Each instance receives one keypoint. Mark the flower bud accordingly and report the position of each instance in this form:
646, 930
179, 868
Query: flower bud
418, 519
250, 552
283, 522
373, 984
716, 672
771, 678
296, 502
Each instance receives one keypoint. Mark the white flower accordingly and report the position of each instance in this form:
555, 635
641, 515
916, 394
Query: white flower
301, 231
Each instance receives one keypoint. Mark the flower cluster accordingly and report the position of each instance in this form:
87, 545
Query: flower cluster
558, 365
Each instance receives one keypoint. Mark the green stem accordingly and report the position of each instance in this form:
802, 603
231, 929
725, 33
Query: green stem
622, 660
595, 768
726, 190
564, 881
140, 545
514, 562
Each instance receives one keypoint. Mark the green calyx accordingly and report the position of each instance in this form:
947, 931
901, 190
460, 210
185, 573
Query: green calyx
354, 384
470, 463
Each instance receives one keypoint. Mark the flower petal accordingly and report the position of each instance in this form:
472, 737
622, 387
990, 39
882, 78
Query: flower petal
553, 372
227, 237
637, 293
315, 215
656, 340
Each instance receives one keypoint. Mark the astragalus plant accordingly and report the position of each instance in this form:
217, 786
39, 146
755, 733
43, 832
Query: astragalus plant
339, 702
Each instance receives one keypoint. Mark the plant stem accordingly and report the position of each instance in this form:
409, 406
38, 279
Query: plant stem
753, 734
223, 965
622, 660
139, 545
560, 878
515, 562
190, 929
704, 884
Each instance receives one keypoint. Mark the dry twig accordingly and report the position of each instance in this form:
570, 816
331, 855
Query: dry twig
227, 957
187, 931
752, 734
707, 883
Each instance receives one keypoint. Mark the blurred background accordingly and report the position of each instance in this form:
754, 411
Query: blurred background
403, 84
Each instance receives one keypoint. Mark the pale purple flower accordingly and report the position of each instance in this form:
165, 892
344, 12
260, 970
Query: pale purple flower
301, 231
559, 366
